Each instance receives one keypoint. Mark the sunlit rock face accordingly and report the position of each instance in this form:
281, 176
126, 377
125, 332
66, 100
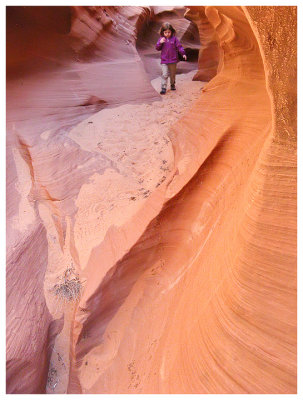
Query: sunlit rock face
192, 287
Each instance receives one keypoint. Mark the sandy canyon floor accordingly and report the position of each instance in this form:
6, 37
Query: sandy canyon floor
134, 141
151, 240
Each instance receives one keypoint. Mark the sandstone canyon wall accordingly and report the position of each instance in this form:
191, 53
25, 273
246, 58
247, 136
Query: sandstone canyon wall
190, 288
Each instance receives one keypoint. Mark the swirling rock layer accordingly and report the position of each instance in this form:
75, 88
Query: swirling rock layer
191, 288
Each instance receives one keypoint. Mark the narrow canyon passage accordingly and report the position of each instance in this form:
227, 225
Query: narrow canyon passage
151, 241
134, 141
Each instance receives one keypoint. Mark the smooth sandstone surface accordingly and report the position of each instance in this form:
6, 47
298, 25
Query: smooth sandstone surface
174, 217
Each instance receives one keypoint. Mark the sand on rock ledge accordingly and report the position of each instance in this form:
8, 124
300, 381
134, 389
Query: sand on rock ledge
136, 141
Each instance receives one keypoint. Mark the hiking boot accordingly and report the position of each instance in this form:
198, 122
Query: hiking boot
172, 87
163, 91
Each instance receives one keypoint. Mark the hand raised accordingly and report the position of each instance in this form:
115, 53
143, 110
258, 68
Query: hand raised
185, 58
162, 40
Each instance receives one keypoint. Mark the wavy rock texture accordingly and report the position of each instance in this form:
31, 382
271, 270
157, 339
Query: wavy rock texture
191, 288
209, 53
63, 65
49, 89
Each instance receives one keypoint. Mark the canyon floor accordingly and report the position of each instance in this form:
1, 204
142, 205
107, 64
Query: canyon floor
134, 139
151, 240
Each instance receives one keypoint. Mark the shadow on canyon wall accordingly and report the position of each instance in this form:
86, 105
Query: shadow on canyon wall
204, 298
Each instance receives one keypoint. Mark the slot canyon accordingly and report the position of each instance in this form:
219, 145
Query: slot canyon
151, 240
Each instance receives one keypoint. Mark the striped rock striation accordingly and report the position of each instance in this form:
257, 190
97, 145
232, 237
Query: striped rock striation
189, 287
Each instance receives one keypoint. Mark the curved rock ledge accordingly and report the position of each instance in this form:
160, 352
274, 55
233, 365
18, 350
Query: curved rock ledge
188, 286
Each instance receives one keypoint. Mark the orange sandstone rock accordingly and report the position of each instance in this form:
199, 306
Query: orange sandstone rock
187, 286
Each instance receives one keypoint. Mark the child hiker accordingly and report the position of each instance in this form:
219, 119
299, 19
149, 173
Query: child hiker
169, 46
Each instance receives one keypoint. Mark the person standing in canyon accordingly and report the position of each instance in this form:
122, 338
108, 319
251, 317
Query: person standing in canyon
170, 46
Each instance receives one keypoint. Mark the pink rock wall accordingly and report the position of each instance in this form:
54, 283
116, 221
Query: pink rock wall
196, 292
49, 89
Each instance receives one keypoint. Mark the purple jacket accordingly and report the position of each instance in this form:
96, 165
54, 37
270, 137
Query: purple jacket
169, 50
